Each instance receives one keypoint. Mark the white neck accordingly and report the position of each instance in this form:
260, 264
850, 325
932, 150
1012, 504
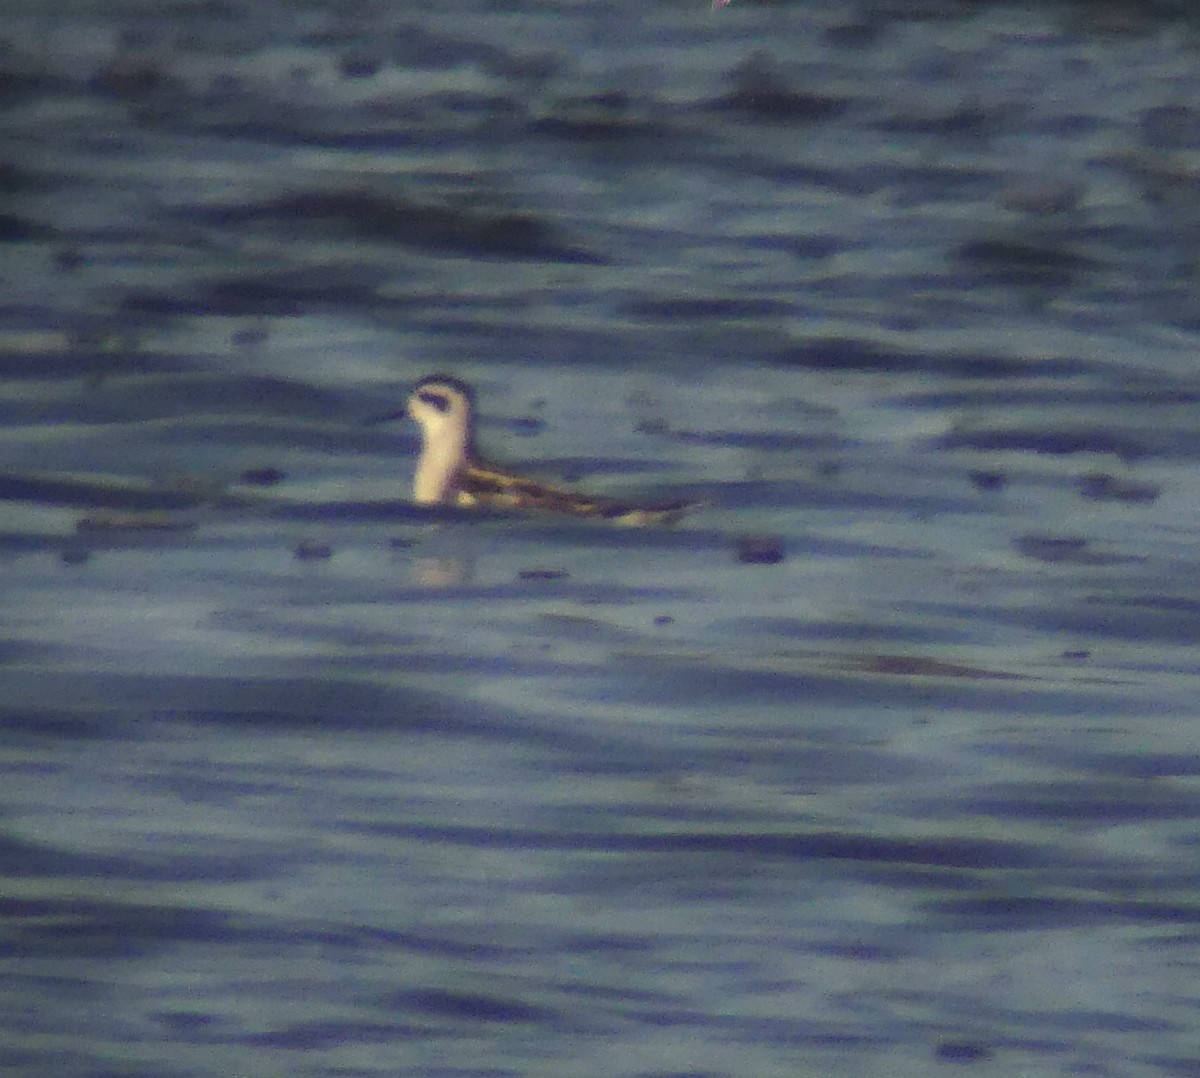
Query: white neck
443, 456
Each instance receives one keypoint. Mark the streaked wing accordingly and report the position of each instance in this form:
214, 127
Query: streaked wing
485, 484
490, 485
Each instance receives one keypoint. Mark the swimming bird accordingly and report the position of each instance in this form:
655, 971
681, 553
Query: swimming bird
452, 471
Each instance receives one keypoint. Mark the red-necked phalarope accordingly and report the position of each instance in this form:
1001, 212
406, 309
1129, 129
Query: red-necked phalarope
451, 470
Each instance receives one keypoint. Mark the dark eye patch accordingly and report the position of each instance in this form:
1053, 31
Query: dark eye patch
435, 400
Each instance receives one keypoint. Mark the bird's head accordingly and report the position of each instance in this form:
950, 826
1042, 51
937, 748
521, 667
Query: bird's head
444, 408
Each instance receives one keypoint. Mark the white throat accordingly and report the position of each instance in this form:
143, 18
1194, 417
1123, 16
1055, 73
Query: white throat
443, 457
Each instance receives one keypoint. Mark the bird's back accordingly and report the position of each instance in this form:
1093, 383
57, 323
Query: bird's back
483, 483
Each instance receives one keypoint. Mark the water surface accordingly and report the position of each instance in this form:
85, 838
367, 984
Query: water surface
300, 779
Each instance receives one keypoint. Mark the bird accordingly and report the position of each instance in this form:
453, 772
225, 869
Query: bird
452, 471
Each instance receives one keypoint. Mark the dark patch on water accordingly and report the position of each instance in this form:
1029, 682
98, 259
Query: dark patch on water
717, 307
14, 229
320, 1036
1053, 394
761, 90
857, 632
90, 926
809, 246
277, 294
1068, 549
1016, 263
1013, 913
394, 218
950, 853
54, 490
836, 353
469, 1007
193, 1026
611, 118
1060, 442
961, 1052
1100, 486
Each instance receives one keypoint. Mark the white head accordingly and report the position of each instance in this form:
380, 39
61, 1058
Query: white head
444, 408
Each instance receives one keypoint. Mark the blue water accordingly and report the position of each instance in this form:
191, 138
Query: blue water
300, 779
